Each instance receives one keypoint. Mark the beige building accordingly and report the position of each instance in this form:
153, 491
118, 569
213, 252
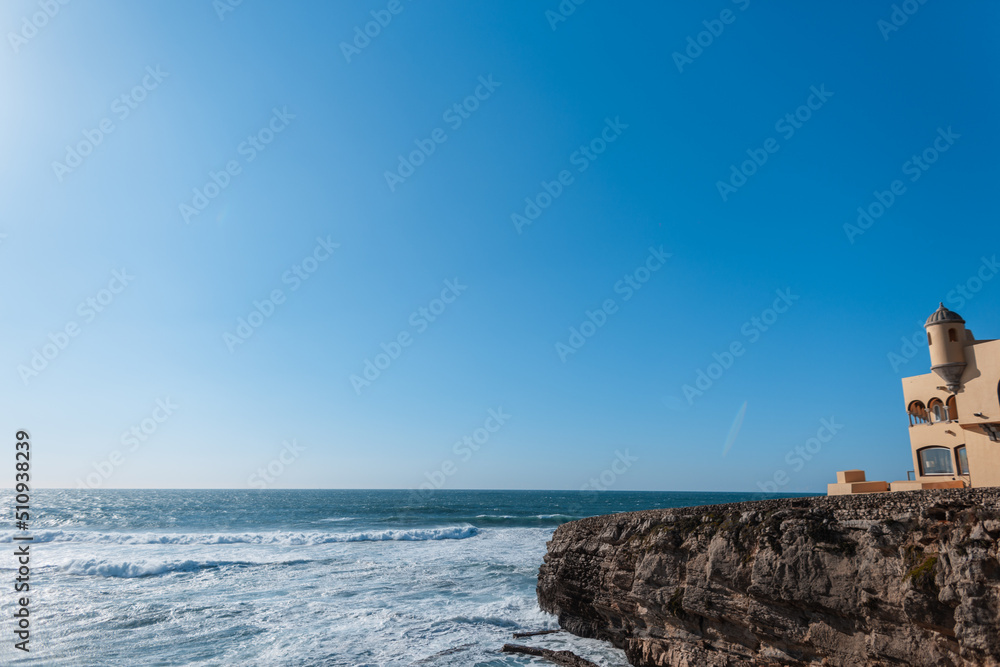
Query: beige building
953, 412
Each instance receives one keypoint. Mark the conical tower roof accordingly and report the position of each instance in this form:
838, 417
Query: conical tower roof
942, 314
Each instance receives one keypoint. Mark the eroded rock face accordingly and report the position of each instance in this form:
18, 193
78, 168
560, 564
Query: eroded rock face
883, 579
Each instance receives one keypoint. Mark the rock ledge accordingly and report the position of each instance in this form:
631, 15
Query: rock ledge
909, 578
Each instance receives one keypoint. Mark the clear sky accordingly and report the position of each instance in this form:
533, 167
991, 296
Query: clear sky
595, 162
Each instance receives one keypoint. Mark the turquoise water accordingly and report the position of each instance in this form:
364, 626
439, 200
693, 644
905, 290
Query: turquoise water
360, 578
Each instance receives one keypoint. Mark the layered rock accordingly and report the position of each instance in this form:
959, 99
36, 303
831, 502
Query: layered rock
883, 579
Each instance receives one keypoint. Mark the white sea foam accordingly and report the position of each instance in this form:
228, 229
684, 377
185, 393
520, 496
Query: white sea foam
284, 538
364, 591
127, 570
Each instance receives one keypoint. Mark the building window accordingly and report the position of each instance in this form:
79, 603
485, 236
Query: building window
917, 412
952, 406
936, 408
952, 335
929, 342
963, 461
935, 461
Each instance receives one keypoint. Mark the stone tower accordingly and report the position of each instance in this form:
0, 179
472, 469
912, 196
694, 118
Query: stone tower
947, 338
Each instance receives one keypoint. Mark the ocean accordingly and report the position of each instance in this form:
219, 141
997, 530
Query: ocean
268, 577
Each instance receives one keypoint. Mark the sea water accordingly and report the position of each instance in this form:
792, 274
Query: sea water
267, 577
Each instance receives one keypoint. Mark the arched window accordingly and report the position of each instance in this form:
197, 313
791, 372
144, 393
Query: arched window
929, 342
936, 408
963, 460
917, 412
935, 461
952, 335
952, 405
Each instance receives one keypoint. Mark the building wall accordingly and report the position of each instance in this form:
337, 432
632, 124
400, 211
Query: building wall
979, 383
984, 459
978, 394
948, 434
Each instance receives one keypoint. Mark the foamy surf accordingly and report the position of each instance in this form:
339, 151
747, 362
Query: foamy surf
282, 538
101, 568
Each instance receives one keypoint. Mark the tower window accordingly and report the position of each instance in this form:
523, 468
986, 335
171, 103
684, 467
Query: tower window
952, 335
963, 460
935, 461
929, 341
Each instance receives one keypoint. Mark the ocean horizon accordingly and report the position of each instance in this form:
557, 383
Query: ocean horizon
302, 577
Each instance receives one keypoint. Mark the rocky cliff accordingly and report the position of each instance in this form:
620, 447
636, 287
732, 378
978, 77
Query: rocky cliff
882, 579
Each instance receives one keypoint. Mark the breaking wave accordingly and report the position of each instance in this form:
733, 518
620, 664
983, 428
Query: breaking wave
283, 538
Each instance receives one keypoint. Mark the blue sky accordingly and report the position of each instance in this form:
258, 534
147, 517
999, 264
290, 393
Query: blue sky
593, 117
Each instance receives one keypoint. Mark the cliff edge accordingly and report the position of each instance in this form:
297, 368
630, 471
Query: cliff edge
909, 578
